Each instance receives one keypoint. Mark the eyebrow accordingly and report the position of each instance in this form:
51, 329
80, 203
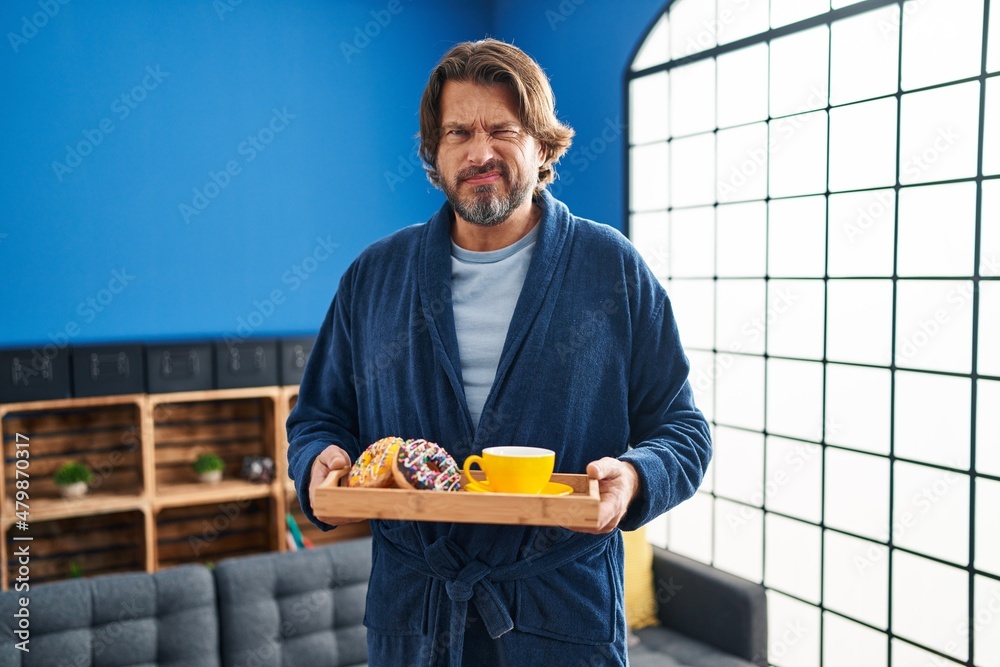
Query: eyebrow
500, 125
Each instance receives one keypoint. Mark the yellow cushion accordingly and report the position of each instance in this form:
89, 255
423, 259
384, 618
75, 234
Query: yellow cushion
640, 598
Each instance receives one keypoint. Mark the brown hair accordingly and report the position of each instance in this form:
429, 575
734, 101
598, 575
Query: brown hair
491, 62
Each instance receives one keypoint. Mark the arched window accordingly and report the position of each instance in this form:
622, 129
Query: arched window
816, 184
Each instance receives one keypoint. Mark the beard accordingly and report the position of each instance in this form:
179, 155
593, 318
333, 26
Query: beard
487, 207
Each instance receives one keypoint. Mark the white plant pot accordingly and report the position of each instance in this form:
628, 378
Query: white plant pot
211, 477
75, 490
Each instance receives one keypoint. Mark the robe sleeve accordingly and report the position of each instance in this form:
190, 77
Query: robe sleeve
327, 408
671, 439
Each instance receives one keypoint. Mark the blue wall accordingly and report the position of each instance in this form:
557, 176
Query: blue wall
204, 168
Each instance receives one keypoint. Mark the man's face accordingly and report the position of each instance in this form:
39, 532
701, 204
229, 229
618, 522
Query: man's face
488, 164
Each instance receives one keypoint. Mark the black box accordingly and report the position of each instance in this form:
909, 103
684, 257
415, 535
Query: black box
294, 354
108, 369
34, 374
252, 363
179, 367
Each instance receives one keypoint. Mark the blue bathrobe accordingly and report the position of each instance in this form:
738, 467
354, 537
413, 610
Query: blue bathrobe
592, 366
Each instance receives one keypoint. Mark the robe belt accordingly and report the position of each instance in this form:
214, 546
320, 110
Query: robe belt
466, 579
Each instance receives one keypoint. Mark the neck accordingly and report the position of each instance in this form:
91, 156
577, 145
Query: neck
483, 239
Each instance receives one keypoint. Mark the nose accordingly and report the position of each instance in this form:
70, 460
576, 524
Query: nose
480, 148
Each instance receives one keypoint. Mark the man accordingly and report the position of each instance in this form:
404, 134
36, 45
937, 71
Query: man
503, 320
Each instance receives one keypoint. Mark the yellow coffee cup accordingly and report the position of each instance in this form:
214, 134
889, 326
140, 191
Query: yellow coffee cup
512, 469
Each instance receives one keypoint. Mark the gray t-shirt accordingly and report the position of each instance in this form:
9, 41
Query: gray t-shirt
485, 287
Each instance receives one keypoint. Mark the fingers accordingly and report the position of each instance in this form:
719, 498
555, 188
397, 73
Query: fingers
334, 458
609, 512
618, 485
604, 469
331, 458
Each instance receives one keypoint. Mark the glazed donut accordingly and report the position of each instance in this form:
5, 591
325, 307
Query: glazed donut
374, 466
426, 465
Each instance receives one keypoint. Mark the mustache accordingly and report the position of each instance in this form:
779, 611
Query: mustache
492, 165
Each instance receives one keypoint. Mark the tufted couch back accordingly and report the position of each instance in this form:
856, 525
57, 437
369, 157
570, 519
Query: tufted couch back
301, 608
167, 619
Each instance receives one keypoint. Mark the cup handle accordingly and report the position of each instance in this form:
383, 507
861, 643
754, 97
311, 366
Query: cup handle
467, 467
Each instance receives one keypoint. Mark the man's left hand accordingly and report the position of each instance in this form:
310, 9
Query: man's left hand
619, 484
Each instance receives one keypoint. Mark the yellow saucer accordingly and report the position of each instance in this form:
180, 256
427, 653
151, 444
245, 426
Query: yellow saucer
550, 489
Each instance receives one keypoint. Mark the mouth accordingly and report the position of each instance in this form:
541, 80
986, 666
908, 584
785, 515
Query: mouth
484, 179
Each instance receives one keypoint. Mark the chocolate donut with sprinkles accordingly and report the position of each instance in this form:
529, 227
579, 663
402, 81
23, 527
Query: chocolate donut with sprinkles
426, 465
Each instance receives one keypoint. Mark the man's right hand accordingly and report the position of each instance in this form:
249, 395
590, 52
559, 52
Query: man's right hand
331, 458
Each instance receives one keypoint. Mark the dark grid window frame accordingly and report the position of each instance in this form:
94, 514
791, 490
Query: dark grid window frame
891, 458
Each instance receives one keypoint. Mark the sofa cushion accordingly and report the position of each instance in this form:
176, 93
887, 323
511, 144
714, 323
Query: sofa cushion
663, 647
640, 601
299, 608
167, 619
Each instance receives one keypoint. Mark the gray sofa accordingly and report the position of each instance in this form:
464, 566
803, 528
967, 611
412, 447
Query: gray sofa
306, 608
708, 618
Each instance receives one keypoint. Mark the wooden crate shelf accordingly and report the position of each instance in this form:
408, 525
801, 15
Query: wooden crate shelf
106, 437
287, 400
88, 545
231, 429
211, 532
93, 503
146, 509
198, 493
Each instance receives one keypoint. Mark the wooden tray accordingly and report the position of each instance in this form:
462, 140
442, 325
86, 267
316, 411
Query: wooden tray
575, 510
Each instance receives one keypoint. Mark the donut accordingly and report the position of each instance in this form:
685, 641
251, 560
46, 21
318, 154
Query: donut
374, 466
426, 465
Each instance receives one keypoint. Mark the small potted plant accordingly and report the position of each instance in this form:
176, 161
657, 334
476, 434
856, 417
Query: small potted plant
73, 479
208, 467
